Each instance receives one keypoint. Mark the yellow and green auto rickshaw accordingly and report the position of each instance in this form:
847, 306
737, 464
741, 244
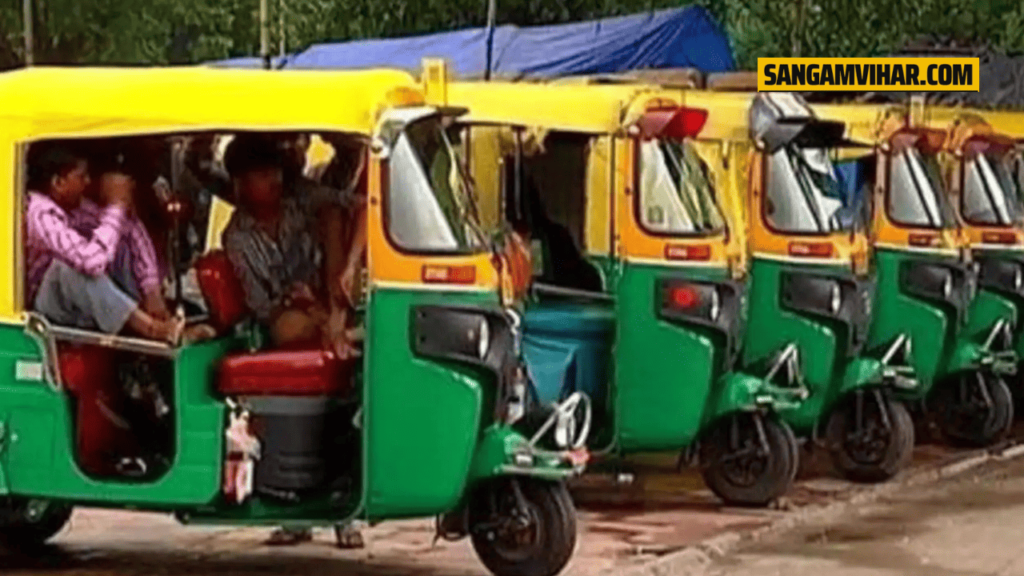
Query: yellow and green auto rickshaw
430, 421
638, 291
811, 281
927, 278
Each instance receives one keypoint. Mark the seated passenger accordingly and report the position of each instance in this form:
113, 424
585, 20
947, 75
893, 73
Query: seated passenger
67, 272
135, 267
282, 244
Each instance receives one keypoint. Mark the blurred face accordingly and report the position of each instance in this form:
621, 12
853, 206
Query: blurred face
260, 188
67, 190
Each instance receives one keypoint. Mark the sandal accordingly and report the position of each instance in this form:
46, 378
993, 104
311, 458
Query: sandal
198, 333
287, 537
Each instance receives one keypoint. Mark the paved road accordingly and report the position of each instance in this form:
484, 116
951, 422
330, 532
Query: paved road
969, 526
620, 526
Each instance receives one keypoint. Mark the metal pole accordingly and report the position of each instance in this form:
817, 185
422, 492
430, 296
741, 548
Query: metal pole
492, 15
26, 8
284, 43
265, 34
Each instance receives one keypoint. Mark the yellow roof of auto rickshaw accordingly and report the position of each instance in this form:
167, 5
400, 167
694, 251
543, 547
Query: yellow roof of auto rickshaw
111, 101
594, 109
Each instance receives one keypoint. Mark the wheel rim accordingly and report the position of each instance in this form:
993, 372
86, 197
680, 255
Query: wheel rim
743, 465
519, 532
869, 444
968, 415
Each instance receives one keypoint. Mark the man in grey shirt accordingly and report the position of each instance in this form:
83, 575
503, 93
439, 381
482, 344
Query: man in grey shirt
286, 243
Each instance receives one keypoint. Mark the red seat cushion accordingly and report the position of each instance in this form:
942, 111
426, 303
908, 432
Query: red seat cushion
285, 373
89, 374
221, 290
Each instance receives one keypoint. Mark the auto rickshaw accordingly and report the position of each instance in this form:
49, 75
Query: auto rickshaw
430, 421
928, 279
811, 281
638, 291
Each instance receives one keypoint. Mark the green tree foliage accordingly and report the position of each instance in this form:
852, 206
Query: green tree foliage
179, 31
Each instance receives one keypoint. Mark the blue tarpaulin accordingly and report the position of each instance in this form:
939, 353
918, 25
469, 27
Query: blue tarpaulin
678, 38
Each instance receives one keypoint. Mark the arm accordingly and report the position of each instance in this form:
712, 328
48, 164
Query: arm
49, 226
146, 269
354, 259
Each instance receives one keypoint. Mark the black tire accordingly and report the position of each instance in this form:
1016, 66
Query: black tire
744, 473
964, 418
874, 454
544, 547
24, 525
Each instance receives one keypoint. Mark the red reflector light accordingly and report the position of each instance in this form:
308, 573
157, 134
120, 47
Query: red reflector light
449, 274
684, 252
999, 238
923, 239
811, 249
683, 297
673, 122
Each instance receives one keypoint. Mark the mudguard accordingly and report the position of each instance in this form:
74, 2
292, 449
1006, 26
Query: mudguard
967, 355
862, 372
503, 451
741, 391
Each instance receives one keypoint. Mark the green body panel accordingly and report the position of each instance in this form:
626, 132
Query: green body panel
823, 359
932, 330
39, 457
423, 418
665, 374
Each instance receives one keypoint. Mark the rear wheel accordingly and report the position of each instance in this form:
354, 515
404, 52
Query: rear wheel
25, 523
523, 526
973, 409
870, 436
749, 459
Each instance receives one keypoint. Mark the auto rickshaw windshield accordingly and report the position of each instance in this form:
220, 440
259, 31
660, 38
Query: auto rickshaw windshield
676, 194
916, 195
991, 195
805, 195
430, 204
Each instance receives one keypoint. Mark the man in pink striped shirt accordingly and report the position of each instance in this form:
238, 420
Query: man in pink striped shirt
67, 272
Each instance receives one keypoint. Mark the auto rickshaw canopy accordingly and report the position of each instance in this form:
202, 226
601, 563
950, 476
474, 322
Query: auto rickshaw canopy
79, 102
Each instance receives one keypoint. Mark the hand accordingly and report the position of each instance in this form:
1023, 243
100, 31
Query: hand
117, 188
301, 293
336, 335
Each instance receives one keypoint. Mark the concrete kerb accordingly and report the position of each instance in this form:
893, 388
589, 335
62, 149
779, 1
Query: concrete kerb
694, 560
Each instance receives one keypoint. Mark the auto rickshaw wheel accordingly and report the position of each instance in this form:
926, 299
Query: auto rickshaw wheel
974, 409
523, 526
870, 436
25, 523
749, 459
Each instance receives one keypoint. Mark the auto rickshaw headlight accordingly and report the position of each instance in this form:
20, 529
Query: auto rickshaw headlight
484, 336
716, 305
837, 299
1018, 279
947, 286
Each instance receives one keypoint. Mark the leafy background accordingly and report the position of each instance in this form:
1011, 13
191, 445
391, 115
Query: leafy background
183, 31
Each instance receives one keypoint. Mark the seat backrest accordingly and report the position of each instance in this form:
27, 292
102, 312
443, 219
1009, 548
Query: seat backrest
221, 290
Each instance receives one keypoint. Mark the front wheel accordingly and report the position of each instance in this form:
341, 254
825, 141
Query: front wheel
974, 409
25, 523
870, 436
523, 526
749, 459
